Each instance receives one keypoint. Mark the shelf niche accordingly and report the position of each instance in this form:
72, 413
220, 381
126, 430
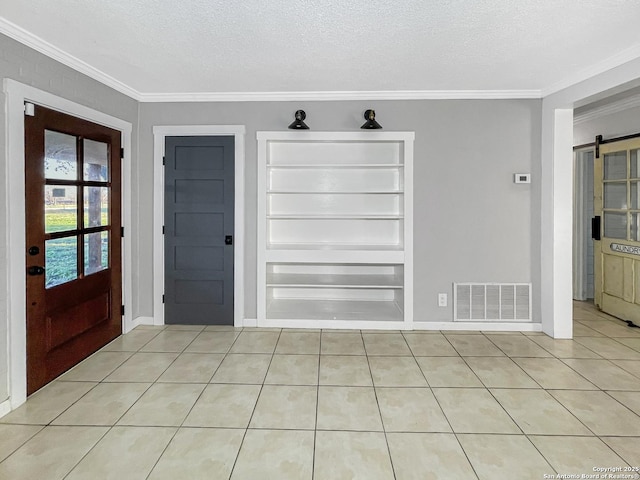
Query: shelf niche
335, 229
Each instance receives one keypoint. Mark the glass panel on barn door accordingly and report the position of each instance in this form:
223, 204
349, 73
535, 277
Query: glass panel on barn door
615, 225
615, 166
615, 195
634, 163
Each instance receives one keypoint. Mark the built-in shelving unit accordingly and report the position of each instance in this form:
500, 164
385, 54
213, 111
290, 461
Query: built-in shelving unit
335, 229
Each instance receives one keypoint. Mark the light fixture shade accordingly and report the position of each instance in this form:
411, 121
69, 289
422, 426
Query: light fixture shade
298, 123
370, 124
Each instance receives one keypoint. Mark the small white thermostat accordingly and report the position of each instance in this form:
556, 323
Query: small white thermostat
522, 177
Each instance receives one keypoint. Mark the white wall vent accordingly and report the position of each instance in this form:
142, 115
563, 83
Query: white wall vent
495, 302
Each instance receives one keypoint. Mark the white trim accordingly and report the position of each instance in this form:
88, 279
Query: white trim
16, 94
141, 321
478, 326
339, 95
5, 407
627, 55
160, 132
556, 266
579, 270
250, 322
33, 41
609, 109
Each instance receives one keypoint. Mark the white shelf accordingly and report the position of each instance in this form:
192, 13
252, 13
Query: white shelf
302, 280
329, 192
353, 310
334, 217
335, 165
335, 256
324, 246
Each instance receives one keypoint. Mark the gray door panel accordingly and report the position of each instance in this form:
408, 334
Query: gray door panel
199, 212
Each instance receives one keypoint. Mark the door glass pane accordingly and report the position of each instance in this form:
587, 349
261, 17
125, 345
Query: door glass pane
635, 227
96, 252
635, 167
60, 156
96, 161
615, 225
60, 208
615, 195
615, 165
635, 201
96, 206
61, 261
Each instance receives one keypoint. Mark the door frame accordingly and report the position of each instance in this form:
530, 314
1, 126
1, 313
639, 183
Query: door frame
580, 232
160, 132
16, 95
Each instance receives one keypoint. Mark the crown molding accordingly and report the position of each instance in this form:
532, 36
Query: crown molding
610, 109
30, 40
340, 95
627, 55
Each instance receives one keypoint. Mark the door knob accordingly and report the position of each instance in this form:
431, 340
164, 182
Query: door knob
35, 270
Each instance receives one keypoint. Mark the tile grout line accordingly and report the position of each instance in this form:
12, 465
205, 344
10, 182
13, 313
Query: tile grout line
194, 403
315, 427
246, 430
375, 393
442, 410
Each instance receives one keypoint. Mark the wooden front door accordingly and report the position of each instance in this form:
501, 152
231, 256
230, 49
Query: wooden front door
73, 241
617, 251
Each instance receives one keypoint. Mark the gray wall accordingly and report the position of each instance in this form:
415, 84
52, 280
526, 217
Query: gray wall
471, 224
27, 66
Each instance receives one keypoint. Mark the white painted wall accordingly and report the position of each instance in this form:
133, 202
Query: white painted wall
471, 222
29, 67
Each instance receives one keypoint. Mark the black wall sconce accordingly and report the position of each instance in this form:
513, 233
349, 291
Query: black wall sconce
298, 123
370, 124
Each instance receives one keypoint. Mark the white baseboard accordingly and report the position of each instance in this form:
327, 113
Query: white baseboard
5, 407
484, 326
249, 322
140, 321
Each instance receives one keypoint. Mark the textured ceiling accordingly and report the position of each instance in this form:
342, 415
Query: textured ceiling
199, 46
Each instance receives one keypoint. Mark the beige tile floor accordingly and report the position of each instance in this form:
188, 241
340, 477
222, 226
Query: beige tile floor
260, 404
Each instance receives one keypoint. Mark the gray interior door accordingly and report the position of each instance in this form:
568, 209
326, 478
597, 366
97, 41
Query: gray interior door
198, 240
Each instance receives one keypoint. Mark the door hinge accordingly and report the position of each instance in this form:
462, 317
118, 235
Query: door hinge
122, 232
163, 229
122, 152
164, 160
121, 309
162, 298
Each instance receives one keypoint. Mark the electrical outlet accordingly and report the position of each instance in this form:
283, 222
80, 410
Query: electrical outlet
442, 299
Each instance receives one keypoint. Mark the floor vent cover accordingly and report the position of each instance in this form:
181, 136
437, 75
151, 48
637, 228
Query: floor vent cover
497, 302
